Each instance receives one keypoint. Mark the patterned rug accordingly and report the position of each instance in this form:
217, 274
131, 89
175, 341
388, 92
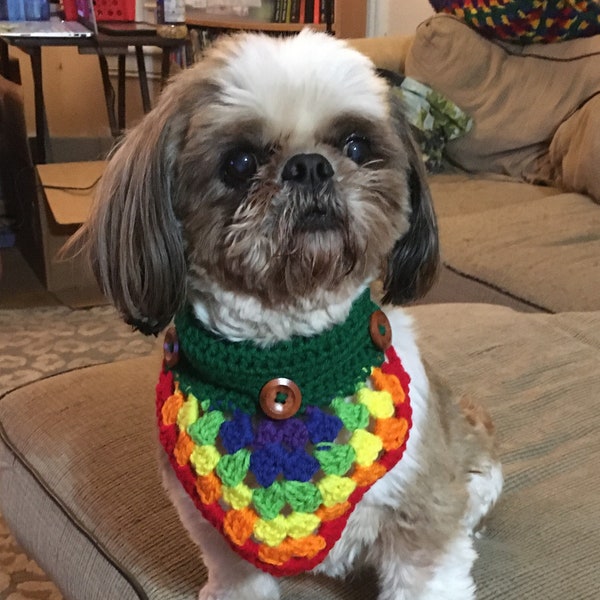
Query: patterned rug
38, 343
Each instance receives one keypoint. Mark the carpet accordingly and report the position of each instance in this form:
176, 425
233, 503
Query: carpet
42, 342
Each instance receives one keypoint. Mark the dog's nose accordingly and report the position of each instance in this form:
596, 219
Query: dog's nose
307, 169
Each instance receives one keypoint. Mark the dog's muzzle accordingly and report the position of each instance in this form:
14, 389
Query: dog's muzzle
311, 175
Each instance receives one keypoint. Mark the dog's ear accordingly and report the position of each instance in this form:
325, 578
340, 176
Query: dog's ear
132, 237
413, 263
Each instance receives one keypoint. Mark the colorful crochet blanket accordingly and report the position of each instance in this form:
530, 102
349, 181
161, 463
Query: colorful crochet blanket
281, 490
526, 21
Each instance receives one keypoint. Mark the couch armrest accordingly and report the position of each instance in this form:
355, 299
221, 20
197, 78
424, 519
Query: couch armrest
386, 52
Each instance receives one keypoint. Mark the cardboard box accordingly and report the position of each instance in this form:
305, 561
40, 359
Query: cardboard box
43, 218
61, 204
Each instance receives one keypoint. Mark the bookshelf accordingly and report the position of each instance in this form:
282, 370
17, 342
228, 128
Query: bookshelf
350, 18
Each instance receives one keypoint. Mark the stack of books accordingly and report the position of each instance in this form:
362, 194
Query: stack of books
303, 11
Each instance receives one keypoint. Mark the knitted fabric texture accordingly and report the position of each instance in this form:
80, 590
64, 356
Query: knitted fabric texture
233, 373
526, 21
281, 492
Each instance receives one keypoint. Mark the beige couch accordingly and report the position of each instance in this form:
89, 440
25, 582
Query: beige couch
103, 529
537, 120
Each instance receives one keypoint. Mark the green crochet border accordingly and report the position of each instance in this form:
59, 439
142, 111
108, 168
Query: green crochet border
230, 375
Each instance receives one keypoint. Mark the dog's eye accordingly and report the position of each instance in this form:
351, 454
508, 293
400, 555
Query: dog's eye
239, 167
358, 149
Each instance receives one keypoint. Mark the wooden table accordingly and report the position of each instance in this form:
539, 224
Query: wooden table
103, 45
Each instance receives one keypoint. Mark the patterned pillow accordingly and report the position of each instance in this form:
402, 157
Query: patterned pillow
434, 119
526, 21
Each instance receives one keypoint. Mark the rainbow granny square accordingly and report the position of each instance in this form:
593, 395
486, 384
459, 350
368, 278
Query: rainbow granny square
281, 491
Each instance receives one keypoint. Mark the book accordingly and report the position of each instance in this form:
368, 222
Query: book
281, 11
327, 15
309, 11
287, 12
294, 11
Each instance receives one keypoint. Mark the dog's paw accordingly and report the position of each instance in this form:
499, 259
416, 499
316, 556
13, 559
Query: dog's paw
217, 592
259, 588
485, 485
206, 594
210, 593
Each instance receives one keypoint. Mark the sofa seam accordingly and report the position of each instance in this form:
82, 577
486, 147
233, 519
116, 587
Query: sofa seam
498, 289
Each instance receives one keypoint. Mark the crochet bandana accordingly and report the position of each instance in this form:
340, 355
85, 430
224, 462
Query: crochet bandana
281, 490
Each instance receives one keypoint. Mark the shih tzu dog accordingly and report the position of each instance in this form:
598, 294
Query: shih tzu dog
270, 186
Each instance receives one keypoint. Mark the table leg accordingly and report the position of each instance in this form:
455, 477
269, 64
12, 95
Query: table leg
189, 53
35, 55
165, 67
141, 65
4, 61
109, 95
121, 92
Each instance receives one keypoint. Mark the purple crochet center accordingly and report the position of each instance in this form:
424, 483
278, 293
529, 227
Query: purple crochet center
290, 432
279, 447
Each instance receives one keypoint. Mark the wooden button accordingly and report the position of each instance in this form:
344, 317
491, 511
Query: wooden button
280, 398
171, 347
380, 330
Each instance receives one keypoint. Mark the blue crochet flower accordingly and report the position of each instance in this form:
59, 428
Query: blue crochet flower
267, 463
237, 433
321, 426
299, 466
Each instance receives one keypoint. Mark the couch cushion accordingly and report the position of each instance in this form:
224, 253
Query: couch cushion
533, 243
516, 96
386, 52
574, 151
84, 497
539, 375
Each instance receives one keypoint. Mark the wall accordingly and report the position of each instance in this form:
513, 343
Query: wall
73, 93
396, 17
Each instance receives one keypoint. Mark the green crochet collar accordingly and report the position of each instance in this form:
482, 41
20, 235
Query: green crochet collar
332, 364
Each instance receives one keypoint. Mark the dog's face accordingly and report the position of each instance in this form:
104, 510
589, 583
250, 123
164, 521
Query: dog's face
275, 169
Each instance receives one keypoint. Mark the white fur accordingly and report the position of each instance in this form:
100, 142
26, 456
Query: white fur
241, 317
485, 487
301, 69
451, 579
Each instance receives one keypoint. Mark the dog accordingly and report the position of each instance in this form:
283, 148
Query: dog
274, 182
